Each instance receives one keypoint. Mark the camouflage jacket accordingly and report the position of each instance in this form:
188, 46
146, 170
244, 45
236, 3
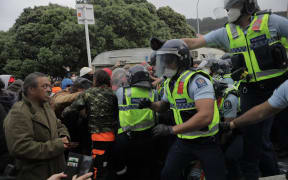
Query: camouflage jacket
101, 107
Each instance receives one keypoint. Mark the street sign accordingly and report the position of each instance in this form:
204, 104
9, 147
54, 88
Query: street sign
85, 15
85, 12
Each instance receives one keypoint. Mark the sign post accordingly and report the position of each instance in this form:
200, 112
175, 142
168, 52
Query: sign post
85, 15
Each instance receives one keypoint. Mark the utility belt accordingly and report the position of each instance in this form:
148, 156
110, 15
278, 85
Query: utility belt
266, 85
139, 134
201, 140
268, 58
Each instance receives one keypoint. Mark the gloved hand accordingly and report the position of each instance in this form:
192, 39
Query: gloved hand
144, 103
162, 130
224, 127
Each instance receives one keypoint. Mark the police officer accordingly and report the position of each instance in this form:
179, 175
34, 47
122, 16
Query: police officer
190, 94
232, 144
133, 148
256, 42
275, 104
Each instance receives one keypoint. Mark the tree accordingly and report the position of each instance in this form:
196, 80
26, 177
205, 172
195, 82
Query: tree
176, 22
46, 38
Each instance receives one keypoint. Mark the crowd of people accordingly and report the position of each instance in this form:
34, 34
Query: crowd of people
170, 118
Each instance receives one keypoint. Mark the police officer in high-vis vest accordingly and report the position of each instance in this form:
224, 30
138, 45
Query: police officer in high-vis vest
133, 148
257, 40
232, 144
190, 95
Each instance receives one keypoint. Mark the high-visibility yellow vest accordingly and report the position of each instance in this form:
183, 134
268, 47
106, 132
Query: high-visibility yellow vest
130, 116
184, 107
228, 91
258, 33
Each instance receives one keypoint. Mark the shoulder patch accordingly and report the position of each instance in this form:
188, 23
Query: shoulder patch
227, 104
201, 82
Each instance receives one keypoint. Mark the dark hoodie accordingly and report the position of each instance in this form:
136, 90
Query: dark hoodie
7, 99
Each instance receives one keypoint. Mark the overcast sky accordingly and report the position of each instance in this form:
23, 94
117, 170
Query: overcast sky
11, 9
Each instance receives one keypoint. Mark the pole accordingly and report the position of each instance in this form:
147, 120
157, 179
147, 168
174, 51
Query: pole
287, 9
198, 29
87, 39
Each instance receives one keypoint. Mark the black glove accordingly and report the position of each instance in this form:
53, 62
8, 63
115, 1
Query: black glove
224, 127
144, 103
162, 130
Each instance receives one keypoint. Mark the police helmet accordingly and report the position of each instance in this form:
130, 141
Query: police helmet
174, 51
249, 6
219, 87
221, 67
138, 76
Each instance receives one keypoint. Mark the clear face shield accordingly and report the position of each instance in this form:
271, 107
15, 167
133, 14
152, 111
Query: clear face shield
167, 62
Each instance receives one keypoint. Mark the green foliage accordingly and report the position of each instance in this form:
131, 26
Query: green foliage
46, 38
176, 22
14, 67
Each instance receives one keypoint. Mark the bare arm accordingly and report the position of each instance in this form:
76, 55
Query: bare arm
255, 115
194, 43
203, 117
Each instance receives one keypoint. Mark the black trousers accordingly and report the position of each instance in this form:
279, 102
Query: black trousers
183, 152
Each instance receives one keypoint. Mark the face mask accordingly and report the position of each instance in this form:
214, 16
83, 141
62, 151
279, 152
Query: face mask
73, 78
233, 14
169, 73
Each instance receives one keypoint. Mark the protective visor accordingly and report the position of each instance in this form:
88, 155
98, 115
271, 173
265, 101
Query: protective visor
165, 58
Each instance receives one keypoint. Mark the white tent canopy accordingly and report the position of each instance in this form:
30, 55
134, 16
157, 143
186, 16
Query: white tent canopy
139, 55
128, 56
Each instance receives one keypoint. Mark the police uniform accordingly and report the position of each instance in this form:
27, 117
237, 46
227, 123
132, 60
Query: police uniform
264, 31
134, 145
228, 79
230, 108
198, 145
279, 99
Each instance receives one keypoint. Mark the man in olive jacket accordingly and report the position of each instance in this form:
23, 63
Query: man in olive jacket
35, 137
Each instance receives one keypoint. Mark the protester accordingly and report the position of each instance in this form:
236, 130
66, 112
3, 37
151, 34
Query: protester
56, 87
66, 82
7, 99
77, 125
101, 108
35, 137
87, 72
16, 87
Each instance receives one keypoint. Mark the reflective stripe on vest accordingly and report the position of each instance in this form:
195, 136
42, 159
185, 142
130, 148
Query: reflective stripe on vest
131, 117
241, 44
140, 125
181, 102
201, 133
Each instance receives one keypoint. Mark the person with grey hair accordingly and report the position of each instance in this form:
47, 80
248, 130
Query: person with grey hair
35, 137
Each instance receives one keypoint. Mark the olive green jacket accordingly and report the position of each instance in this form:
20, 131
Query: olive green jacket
33, 138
